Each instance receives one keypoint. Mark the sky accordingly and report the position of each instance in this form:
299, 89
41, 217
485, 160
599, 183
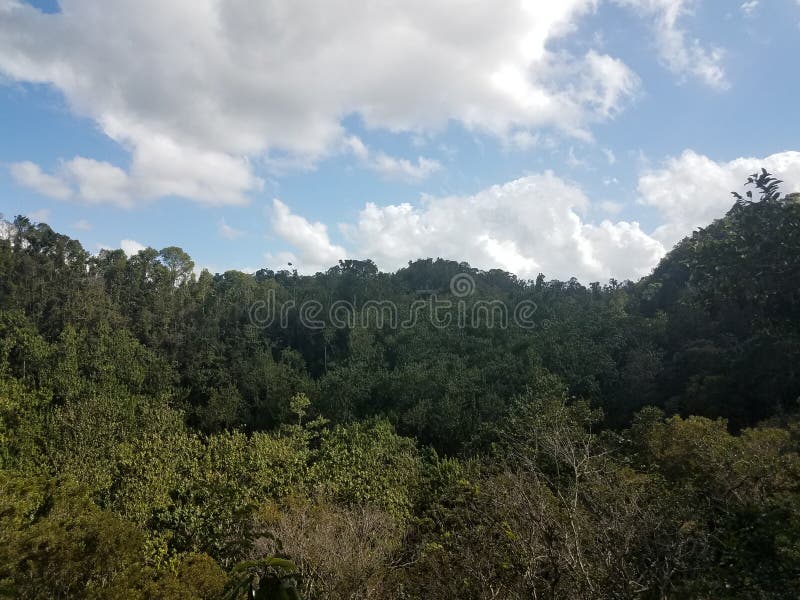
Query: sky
574, 138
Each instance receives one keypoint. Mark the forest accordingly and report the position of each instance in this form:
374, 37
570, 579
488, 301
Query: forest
634, 439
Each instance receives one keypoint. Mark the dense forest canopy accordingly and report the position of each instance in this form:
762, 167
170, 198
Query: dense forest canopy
626, 439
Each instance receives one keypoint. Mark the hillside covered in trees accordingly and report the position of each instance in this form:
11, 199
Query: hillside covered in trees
632, 440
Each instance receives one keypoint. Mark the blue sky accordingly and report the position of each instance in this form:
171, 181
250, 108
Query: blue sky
583, 139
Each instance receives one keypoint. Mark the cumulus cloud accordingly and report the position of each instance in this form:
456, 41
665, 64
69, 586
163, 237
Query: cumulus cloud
314, 250
98, 182
605, 83
401, 168
30, 175
200, 176
228, 232
86, 179
610, 207
389, 166
537, 223
196, 90
131, 247
692, 190
680, 53
530, 225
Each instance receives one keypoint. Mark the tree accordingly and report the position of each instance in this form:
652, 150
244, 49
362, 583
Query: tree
179, 264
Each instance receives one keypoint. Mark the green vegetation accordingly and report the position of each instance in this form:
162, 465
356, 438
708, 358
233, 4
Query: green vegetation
637, 440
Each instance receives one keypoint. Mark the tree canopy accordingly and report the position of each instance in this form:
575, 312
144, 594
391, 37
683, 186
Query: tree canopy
163, 434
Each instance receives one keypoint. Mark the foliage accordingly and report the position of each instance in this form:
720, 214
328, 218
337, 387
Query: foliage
639, 440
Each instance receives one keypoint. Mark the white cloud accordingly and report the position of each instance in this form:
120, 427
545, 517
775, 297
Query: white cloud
749, 8
40, 215
288, 261
86, 179
401, 168
610, 207
31, 176
610, 156
131, 247
82, 225
197, 89
98, 182
575, 162
165, 171
523, 140
692, 190
229, 232
680, 53
389, 166
314, 250
526, 226
605, 83
162, 167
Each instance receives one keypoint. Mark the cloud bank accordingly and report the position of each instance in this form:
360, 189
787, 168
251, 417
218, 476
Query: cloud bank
691, 190
529, 225
538, 223
201, 91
